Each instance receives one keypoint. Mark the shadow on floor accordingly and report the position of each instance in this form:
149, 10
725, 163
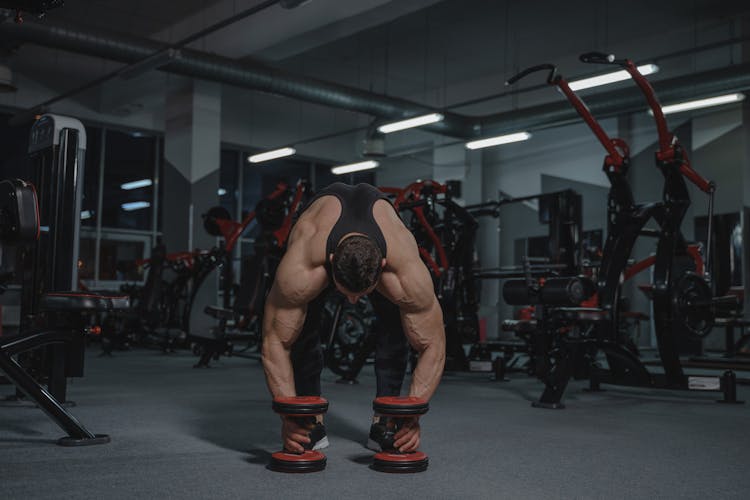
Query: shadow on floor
251, 427
362, 459
258, 457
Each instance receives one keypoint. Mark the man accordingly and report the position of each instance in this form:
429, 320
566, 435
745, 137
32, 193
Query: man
351, 237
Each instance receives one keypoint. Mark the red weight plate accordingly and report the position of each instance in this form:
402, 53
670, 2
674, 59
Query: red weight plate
385, 456
307, 456
398, 463
400, 406
400, 401
309, 461
301, 400
299, 406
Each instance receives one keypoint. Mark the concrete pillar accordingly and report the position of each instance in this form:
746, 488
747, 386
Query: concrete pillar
192, 147
488, 246
192, 154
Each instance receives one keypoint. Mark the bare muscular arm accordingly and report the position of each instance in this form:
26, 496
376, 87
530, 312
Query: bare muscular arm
297, 283
422, 319
408, 284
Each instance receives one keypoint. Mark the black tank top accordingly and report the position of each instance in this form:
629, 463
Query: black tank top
356, 213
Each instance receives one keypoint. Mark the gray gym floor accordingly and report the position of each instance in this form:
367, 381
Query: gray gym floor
184, 433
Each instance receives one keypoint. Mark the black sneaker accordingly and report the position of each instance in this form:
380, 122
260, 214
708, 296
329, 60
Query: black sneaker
318, 437
380, 438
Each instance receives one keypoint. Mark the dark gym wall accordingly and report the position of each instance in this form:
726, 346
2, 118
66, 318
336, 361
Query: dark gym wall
594, 199
516, 221
724, 158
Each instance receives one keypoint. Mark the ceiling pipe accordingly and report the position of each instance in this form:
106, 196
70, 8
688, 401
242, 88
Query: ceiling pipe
253, 75
259, 76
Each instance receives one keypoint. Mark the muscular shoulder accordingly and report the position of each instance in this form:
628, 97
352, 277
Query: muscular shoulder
301, 274
402, 247
390, 224
302, 231
298, 279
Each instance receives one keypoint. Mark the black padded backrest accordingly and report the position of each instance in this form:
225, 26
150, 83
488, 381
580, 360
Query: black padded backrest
19, 212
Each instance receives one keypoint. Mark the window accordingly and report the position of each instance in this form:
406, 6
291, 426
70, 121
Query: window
14, 144
117, 261
129, 162
87, 256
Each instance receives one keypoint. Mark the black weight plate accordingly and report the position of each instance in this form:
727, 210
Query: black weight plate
301, 405
210, 218
400, 406
309, 461
400, 463
692, 304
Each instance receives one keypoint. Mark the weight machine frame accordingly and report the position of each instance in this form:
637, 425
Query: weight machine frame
626, 222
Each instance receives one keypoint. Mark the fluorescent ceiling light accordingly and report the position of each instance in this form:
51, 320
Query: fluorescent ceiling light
417, 121
135, 205
86, 214
221, 192
136, 184
354, 167
702, 103
607, 78
271, 155
496, 141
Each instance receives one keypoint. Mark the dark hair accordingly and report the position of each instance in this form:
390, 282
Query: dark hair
357, 263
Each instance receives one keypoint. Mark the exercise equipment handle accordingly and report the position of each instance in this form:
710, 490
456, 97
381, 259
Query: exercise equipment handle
540, 67
667, 140
665, 136
615, 158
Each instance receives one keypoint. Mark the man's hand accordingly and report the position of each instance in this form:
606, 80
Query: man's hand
406, 439
295, 434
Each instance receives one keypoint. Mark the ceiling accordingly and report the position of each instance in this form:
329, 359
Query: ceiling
438, 52
138, 17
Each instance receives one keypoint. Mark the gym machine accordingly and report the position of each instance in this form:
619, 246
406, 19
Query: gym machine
561, 212
239, 317
54, 317
446, 235
568, 336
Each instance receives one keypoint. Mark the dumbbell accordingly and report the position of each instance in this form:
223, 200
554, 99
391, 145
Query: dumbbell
304, 409
393, 412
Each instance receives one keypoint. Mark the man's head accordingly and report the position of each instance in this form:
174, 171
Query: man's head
356, 264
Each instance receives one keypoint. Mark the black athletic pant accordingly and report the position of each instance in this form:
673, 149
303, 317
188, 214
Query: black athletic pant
391, 349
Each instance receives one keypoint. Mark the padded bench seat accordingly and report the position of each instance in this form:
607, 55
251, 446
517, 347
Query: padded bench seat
83, 301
